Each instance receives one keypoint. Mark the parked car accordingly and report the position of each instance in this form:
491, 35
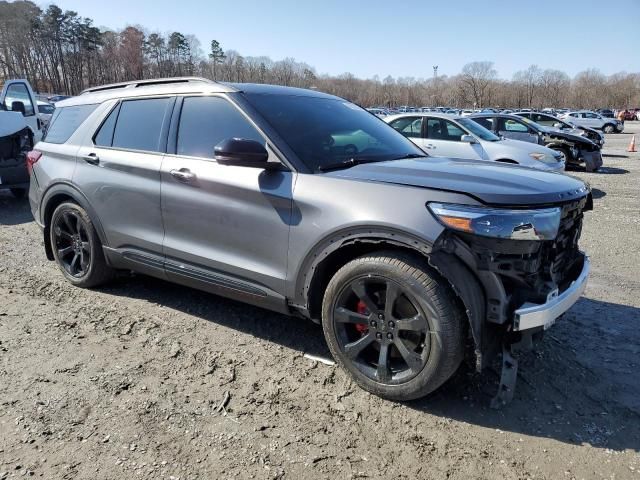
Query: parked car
586, 118
551, 121
379, 112
45, 111
460, 137
280, 197
630, 115
573, 148
20, 128
57, 98
606, 113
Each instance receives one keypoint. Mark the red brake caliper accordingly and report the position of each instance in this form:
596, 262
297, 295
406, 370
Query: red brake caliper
362, 328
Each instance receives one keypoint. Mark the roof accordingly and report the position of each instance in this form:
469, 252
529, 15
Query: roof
179, 85
156, 86
263, 88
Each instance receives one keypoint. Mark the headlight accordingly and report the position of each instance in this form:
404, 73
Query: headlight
544, 158
539, 224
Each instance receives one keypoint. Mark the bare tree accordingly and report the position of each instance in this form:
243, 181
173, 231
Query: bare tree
475, 82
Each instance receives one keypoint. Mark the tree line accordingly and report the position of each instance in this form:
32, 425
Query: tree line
62, 52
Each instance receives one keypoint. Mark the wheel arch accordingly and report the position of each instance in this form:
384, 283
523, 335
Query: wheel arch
331, 253
57, 194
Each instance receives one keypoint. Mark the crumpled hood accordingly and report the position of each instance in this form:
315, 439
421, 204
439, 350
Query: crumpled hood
572, 137
489, 182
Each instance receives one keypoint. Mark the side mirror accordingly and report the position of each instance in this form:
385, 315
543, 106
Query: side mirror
468, 139
18, 106
241, 153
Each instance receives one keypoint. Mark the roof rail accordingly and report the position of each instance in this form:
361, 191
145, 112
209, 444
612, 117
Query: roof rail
145, 83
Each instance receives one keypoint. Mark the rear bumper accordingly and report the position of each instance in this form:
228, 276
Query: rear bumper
544, 315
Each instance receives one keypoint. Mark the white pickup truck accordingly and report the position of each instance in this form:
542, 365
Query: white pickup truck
20, 130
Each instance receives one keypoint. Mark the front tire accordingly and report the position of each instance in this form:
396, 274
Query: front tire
77, 248
394, 324
608, 128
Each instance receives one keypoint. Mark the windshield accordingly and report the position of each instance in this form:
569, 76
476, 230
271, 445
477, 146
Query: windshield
325, 131
478, 130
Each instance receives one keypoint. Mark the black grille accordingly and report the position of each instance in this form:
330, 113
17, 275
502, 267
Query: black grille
563, 254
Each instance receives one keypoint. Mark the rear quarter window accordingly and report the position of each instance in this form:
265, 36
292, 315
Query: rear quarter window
65, 121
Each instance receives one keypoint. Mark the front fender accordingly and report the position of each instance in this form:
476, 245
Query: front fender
329, 245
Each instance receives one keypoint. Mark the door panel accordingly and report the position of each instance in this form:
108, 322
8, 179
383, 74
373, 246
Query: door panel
515, 130
227, 220
122, 184
124, 189
20, 91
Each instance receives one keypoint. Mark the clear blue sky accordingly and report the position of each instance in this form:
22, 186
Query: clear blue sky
398, 38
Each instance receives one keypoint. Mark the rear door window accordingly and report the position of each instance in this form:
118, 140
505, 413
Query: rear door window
139, 124
104, 137
65, 121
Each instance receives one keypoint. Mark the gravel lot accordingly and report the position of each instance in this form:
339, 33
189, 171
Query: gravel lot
146, 379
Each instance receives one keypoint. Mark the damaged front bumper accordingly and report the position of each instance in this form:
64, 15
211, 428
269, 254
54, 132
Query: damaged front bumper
531, 315
592, 160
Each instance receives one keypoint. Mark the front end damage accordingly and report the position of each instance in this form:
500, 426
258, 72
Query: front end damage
518, 288
583, 151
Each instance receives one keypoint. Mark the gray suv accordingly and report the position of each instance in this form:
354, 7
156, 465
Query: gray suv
306, 204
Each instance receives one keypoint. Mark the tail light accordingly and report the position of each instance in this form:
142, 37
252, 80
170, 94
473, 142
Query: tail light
32, 158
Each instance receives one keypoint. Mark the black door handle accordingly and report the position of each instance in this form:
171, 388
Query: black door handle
92, 159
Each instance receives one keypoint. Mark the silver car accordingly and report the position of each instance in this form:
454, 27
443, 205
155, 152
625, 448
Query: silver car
442, 135
308, 205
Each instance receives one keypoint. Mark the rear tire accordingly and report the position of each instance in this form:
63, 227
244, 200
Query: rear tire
77, 248
394, 325
18, 192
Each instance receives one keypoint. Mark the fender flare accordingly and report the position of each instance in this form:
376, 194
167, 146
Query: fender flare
337, 240
70, 190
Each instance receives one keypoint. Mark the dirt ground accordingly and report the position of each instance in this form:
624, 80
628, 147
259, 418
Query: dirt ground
145, 379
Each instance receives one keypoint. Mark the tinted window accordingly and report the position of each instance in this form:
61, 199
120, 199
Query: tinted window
441, 129
323, 131
104, 137
408, 126
485, 122
140, 123
590, 115
17, 92
452, 131
65, 121
207, 121
546, 120
46, 109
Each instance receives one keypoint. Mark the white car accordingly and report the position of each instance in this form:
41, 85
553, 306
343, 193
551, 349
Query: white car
45, 111
586, 118
453, 136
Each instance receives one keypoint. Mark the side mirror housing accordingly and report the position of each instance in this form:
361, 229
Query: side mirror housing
18, 106
468, 139
240, 152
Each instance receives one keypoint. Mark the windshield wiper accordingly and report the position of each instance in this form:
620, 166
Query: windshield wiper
411, 155
346, 164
